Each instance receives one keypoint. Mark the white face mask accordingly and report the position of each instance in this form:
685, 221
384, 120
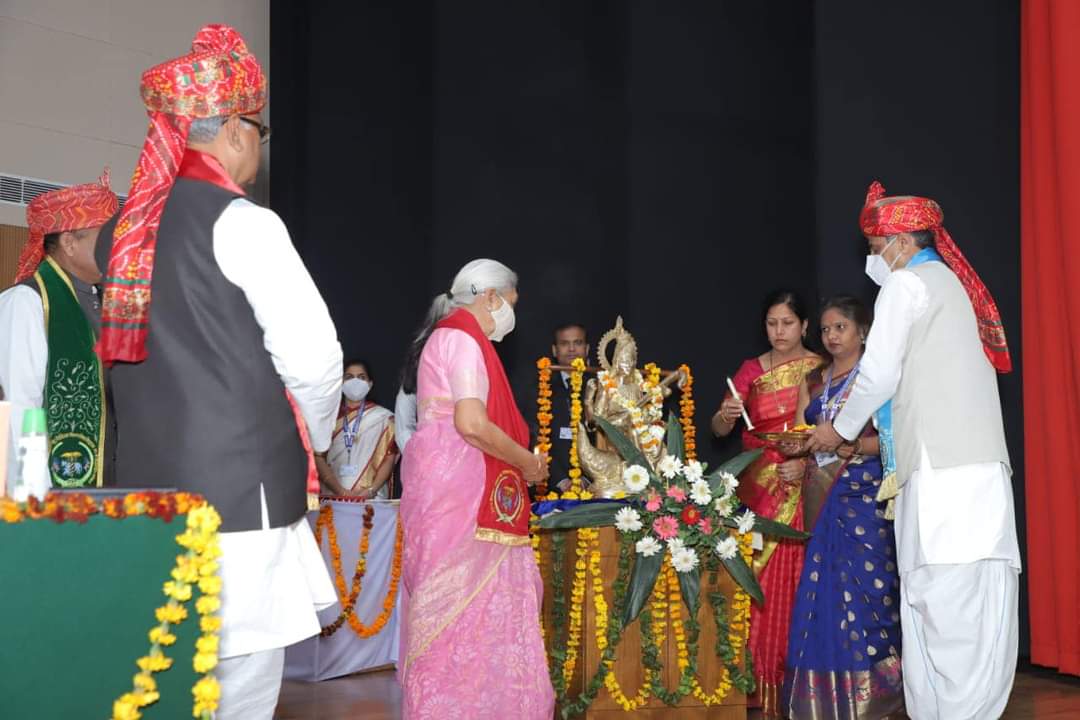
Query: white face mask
504, 320
877, 269
355, 389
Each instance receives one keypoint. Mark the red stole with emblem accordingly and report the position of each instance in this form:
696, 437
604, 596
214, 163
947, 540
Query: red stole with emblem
504, 509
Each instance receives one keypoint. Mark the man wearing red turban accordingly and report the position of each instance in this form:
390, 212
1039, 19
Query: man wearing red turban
928, 377
200, 389
49, 320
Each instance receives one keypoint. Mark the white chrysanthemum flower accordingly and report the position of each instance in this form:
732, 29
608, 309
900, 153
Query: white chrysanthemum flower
675, 544
684, 560
701, 493
648, 546
727, 548
670, 466
725, 505
730, 482
746, 522
627, 520
693, 471
635, 478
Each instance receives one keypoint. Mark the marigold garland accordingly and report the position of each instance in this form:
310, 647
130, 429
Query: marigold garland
686, 413
641, 697
349, 596
543, 415
576, 379
585, 538
197, 566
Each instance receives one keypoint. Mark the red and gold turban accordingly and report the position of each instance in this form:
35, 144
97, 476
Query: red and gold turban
883, 216
70, 208
219, 77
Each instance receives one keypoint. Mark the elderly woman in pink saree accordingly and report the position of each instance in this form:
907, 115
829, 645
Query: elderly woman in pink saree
471, 645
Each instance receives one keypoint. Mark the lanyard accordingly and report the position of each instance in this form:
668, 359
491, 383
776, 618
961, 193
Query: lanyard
350, 434
830, 411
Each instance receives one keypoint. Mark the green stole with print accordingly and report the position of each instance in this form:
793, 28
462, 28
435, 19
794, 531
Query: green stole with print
74, 386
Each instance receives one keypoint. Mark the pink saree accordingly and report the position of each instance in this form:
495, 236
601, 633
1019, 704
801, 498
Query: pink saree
470, 641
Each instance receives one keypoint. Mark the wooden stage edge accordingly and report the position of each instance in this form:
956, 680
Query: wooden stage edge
1039, 694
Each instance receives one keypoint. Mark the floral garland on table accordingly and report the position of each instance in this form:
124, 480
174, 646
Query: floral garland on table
543, 414
348, 597
196, 566
686, 413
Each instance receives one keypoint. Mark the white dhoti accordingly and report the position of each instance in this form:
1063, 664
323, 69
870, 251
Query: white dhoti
250, 685
960, 636
959, 565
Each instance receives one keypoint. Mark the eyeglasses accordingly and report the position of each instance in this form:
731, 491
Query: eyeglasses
264, 130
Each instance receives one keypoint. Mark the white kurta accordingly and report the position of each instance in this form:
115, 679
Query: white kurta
404, 418
275, 578
956, 545
944, 515
24, 359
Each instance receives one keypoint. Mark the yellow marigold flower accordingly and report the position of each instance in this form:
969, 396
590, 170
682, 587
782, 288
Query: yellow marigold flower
172, 613
204, 662
210, 624
210, 585
207, 644
207, 693
178, 591
208, 604
160, 636
154, 663
126, 707
186, 570
145, 682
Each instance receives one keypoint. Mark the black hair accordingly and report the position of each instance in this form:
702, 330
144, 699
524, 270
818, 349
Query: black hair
787, 297
852, 308
566, 326
360, 361
51, 241
923, 238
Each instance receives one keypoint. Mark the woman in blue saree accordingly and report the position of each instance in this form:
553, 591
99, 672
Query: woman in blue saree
843, 658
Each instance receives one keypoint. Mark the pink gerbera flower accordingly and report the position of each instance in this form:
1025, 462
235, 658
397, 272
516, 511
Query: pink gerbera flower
653, 502
666, 527
676, 493
705, 525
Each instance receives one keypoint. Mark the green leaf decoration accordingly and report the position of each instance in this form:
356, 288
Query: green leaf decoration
627, 449
744, 576
765, 526
599, 514
735, 466
690, 584
642, 580
675, 445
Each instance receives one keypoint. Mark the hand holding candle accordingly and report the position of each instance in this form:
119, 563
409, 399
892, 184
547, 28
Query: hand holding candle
735, 394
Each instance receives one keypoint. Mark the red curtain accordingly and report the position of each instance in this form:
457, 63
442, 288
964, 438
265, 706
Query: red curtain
1050, 252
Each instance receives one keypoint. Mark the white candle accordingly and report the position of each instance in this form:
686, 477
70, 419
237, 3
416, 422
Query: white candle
735, 394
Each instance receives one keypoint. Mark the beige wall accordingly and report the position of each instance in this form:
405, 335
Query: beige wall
69, 79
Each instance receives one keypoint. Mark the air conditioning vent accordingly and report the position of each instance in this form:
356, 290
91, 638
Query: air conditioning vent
18, 190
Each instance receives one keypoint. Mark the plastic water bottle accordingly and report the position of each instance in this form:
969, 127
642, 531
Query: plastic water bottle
33, 452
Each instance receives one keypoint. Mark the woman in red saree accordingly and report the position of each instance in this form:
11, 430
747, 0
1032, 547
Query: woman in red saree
768, 390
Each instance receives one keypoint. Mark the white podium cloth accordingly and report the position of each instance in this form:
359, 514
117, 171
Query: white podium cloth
344, 652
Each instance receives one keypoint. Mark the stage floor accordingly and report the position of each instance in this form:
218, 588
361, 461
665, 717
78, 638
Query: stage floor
1038, 695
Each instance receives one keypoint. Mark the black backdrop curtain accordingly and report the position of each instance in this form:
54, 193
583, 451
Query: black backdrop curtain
669, 161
